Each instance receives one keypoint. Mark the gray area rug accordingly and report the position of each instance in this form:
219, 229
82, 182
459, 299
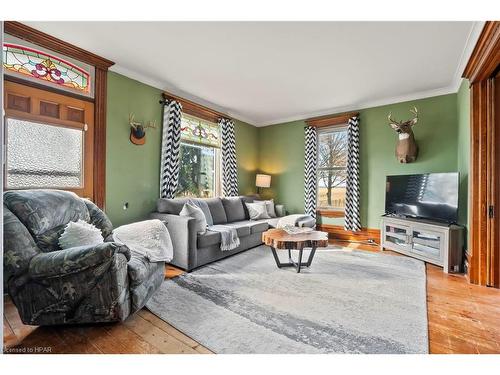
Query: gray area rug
348, 301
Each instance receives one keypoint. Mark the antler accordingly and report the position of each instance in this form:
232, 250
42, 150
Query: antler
391, 120
415, 112
131, 121
151, 124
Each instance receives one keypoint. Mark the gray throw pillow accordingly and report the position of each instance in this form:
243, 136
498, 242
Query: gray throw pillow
269, 206
204, 207
234, 209
198, 215
257, 211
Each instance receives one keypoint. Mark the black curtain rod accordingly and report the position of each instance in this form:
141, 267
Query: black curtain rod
165, 101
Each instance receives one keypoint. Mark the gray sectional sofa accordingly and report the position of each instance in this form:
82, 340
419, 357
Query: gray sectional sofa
192, 250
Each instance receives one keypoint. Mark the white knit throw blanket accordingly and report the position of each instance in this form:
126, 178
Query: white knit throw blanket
149, 238
291, 220
228, 235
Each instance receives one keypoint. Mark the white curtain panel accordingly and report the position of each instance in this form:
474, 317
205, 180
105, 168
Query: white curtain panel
352, 218
229, 167
310, 166
171, 140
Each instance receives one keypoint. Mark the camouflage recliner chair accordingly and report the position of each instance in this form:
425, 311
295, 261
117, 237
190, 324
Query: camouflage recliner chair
84, 284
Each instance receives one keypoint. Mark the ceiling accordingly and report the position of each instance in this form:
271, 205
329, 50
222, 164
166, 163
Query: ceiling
271, 72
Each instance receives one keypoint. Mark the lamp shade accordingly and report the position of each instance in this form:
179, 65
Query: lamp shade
263, 180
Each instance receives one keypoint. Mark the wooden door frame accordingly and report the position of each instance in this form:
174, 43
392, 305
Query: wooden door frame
484, 217
101, 65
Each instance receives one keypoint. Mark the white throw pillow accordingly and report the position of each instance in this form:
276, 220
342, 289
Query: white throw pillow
80, 233
196, 212
257, 210
269, 206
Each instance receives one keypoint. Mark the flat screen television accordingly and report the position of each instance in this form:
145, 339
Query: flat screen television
432, 196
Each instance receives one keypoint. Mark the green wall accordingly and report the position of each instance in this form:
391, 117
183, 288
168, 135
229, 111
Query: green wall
132, 172
282, 153
247, 156
463, 150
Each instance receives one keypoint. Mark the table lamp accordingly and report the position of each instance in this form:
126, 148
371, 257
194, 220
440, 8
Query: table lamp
262, 181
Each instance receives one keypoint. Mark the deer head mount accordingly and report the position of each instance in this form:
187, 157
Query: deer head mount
138, 130
406, 148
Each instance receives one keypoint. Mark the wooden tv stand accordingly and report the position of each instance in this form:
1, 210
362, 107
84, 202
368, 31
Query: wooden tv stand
437, 243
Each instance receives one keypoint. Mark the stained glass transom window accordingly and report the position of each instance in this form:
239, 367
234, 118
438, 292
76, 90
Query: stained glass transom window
195, 130
41, 65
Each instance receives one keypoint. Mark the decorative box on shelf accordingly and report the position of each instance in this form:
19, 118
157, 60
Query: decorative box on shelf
433, 242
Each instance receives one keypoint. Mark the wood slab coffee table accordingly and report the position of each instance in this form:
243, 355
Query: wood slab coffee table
281, 240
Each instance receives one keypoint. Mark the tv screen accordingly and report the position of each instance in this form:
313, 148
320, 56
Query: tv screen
432, 196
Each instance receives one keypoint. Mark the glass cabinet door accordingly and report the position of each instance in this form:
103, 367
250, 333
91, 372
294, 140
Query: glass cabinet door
427, 243
398, 235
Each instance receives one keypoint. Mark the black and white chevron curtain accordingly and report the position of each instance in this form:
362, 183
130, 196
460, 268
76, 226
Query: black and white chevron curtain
229, 168
352, 219
170, 145
310, 166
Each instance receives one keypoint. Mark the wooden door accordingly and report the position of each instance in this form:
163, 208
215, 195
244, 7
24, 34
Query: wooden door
483, 257
68, 124
494, 248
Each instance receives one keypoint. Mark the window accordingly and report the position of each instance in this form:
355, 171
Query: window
39, 65
332, 168
199, 173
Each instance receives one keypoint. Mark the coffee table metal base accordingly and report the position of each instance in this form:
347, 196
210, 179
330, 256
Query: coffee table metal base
291, 262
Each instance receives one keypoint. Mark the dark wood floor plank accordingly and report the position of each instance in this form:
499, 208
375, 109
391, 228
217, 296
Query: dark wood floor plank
157, 337
132, 342
167, 328
76, 340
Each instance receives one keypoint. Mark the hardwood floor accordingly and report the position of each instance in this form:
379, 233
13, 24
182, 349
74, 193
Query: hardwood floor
463, 318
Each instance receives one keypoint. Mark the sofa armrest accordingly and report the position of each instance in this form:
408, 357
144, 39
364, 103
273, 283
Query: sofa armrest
75, 259
280, 210
182, 230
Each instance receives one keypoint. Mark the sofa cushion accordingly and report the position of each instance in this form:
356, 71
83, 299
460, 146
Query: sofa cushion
234, 209
209, 238
242, 227
259, 226
273, 223
217, 210
170, 206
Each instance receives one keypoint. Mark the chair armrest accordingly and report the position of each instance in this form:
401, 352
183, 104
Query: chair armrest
182, 230
280, 210
75, 259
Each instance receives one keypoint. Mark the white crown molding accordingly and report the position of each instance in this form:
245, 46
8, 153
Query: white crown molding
165, 86
369, 104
